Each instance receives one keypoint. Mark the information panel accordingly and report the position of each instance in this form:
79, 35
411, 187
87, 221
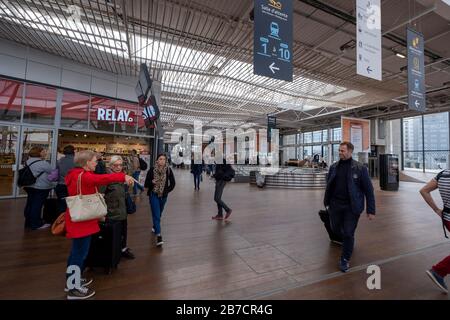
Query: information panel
416, 71
368, 39
272, 45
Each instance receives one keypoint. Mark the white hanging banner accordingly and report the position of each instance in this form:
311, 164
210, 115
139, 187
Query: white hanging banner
368, 39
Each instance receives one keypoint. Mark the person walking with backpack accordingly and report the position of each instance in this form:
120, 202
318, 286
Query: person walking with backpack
39, 190
348, 183
224, 173
438, 272
159, 182
136, 170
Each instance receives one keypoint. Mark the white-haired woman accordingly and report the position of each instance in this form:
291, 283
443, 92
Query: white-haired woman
115, 198
81, 232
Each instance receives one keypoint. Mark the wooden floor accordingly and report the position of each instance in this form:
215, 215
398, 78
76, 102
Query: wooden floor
275, 247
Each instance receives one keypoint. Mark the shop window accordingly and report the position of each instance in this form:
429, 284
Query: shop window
126, 119
40, 105
9, 141
10, 100
102, 114
74, 110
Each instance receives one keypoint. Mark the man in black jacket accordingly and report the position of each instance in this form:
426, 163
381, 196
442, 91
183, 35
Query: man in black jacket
348, 183
224, 173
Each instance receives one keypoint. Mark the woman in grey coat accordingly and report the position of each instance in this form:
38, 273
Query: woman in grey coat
38, 192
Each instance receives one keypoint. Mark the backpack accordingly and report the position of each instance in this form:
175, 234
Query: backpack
228, 175
142, 164
26, 177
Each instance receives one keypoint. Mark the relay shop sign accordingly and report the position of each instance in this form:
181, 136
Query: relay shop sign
368, 38
416, 71
272, 39
114, 115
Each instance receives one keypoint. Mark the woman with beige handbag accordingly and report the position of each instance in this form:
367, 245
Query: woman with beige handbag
85, 208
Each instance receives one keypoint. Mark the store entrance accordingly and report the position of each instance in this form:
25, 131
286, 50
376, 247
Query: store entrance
15, 144
107, 145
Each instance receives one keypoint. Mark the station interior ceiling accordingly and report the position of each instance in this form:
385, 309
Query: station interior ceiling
202, 53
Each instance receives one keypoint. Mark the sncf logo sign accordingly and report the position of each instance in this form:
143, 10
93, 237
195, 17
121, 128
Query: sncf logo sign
114, 115
275, 4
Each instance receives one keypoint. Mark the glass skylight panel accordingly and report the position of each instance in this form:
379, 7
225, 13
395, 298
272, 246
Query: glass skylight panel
350, 94
81, 32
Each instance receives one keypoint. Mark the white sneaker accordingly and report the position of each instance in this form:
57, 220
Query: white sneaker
153, 230
44, 226
84, 283
80, 293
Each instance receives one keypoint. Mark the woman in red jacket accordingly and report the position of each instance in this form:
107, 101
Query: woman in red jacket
80, 232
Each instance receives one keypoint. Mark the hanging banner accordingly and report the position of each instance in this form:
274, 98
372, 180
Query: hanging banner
356, 131
416, 71
368, 39
271, 124
272, 39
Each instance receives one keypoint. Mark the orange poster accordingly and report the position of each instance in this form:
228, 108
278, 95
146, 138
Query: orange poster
356, 131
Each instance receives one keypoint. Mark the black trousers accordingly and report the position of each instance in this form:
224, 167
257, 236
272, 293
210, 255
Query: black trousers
344, 223
124, 229
33, 207
61, 193
220, 185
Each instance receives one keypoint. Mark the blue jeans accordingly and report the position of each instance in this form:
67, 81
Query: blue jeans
79, 252
197, 177
33, 207
136, 175
157, 205
344, 222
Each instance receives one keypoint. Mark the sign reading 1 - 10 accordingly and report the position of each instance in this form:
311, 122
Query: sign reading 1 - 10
283, 51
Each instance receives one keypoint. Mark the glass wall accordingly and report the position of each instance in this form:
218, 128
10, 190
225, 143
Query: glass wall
311, 143
307, 137
426, 142
39, 105
337, 134
317, 136
335, 150
74, 110
10, 100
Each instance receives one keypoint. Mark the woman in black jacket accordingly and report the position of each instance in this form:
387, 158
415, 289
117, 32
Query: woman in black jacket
159, 182
224, 173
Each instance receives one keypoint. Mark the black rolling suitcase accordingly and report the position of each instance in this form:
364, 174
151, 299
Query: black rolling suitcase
50, 211
105, 249
325, 217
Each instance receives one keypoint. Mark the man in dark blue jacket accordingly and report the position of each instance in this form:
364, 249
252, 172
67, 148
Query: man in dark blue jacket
348, 183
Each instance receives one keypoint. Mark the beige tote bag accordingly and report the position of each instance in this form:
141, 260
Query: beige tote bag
86, 207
